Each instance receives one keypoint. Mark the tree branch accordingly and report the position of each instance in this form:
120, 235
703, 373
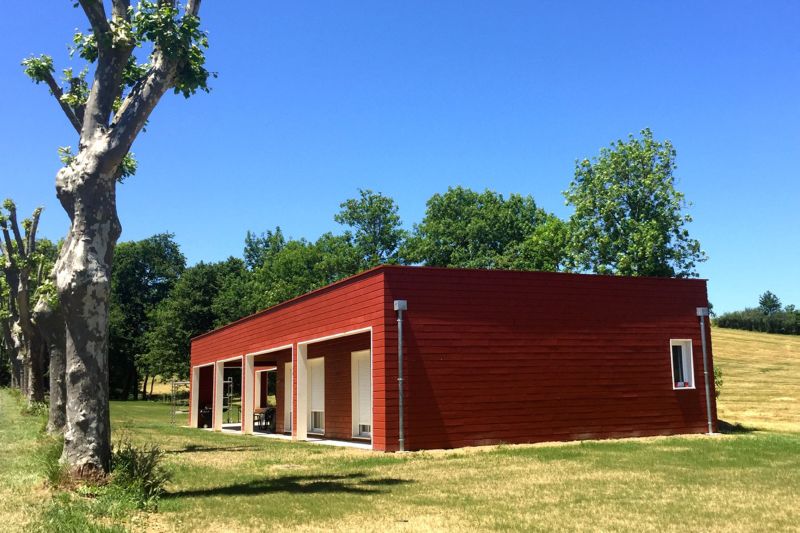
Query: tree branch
32, 232
112, 57
119, 10
55, 89
193, 7
8, 249
140, 102
96, 14
142, 99
12, 218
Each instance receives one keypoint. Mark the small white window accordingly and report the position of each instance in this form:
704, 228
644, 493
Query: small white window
682, 364
317, 421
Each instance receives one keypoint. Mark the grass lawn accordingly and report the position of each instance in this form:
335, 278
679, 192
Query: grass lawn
762, 378
744, 481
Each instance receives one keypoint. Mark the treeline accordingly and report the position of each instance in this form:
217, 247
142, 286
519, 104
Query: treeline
769, 317
628, 219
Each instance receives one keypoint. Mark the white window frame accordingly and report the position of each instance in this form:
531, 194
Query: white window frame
317, 361
355, 393
687, 360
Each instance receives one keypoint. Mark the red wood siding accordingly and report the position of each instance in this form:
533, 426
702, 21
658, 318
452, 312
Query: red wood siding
493, 356
352, 304
522, 357
338, 381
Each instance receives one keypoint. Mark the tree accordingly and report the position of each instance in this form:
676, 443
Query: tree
629, 218
107, 114
464, 228
545, 249
301, 266
768, 303
144, 273
23, 270
259, 248
188, 311
376, 226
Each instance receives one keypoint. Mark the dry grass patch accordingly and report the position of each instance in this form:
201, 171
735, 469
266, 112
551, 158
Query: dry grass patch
762, 378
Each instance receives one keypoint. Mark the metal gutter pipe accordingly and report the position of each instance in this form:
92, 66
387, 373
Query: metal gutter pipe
702, 312
400, 306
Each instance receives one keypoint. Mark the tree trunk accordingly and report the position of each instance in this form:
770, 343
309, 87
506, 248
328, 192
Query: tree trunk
35, 370
51, 325
144, 387
152, 383
83, 277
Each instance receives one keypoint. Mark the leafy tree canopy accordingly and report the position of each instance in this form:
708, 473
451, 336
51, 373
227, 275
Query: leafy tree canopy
144, 273
376, 226
629, 219
769, 303
464, 228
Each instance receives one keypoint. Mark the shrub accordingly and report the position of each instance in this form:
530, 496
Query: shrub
717, 382
787, 322
37, 409
48, 459
139, 472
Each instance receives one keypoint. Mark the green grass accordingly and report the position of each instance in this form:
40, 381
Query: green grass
743, 481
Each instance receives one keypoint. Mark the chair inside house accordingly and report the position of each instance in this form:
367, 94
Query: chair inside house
264, 419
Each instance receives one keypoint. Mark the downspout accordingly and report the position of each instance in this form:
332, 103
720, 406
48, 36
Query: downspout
400, 306
702, 312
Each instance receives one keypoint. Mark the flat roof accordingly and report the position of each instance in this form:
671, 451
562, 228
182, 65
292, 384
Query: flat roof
374, 270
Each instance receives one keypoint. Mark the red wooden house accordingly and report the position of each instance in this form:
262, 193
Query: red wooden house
489, 356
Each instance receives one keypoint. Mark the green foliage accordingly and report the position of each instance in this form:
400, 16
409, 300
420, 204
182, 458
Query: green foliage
260, 248
139, 472
65, 155
376, 224
85, 46
49, 460
78, 90
629, 217
144, 273
786, 322
180, 37
543, 249
38, 68
127, 167
35, 409
186, 313
768, 303
464, 228
768, 317
718, 382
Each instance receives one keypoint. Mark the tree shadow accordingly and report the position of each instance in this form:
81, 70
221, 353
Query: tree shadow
356, 483
194, 448
726, 428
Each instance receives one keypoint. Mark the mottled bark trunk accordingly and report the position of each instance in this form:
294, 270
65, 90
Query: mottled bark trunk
21, 358
11, 351
83, 278
53, 330
16, 372
144, 387
35, 370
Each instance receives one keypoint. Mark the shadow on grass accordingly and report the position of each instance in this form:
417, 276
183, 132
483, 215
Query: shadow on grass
356, 483
726, 428
195, 448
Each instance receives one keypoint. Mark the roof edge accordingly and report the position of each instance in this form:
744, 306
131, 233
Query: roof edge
376, 269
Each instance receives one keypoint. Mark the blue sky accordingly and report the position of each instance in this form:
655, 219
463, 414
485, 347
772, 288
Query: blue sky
317, 99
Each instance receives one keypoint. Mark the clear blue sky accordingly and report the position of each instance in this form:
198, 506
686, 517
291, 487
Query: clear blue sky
316, 99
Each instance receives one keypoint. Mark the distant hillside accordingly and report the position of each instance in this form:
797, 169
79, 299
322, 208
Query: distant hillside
761, 378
